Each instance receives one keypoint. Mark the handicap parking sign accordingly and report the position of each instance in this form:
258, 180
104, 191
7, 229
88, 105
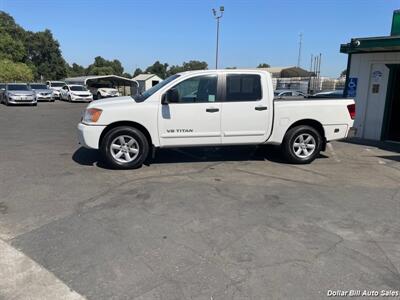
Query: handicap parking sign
352, 87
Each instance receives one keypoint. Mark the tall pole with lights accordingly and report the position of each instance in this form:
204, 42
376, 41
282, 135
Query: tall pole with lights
217, 16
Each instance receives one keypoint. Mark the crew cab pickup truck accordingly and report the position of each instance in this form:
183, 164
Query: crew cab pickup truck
212, 108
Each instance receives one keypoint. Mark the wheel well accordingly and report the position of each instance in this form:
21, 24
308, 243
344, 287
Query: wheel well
126, 123
314, 124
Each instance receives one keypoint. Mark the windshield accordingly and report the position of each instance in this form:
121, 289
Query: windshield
143, 96
38, 86
18, 87
77, 88
57, 84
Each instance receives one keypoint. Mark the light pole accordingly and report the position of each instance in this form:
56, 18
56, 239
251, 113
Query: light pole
217, 16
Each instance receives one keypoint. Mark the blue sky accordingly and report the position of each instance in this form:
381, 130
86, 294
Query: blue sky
141, 32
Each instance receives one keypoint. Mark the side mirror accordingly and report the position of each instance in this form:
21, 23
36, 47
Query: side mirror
171, 96
164, 100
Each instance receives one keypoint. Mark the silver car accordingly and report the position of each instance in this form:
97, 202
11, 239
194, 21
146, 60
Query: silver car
42, 92
288, 94
2, 90
19, 93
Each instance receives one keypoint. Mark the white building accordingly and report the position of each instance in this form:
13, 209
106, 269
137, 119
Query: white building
146, 81
373, 80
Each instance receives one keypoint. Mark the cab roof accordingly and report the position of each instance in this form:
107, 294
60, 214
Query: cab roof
224, 71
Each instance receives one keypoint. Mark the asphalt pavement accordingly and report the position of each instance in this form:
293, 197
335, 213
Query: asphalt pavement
201, 223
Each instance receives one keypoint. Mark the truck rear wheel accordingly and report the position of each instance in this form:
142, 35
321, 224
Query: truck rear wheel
302, 144
124, 148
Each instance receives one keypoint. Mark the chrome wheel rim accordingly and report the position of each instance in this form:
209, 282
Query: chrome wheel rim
124, 149
304, 145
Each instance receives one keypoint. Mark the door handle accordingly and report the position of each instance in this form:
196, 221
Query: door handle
260, 108
212, 110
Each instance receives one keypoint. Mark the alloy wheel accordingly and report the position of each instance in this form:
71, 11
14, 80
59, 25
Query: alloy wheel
304, 145
124, 149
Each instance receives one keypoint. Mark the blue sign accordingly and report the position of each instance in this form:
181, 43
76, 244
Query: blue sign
352, 87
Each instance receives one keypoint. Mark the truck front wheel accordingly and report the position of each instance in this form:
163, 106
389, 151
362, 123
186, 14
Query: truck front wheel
124, 148
302, 144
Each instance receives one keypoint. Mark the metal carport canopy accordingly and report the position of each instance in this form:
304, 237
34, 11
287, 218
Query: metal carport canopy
84, 79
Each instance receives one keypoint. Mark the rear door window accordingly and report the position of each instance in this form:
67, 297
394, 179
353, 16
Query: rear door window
243, 87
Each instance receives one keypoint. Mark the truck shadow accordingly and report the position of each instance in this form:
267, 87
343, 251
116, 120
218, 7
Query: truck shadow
384, 145
87, 157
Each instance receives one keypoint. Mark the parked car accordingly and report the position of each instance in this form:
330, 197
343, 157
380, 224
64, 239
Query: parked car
73, 92
287, 94
214, 108
19, 93
42, 92
2, 90
328, 94
100, 90
56, 87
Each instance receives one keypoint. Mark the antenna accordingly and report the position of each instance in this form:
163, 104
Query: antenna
300, 45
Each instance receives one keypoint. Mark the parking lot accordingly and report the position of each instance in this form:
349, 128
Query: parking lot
226, 223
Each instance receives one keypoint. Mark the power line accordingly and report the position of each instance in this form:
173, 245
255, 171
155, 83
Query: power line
300, 46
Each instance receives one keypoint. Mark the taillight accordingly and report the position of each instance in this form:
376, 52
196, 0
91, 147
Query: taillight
352, 111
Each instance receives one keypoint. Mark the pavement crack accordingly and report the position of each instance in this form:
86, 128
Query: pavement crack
278, 177
83, 204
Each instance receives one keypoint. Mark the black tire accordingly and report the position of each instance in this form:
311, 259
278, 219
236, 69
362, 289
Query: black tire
34, 104
98, 96
69, 98
291, 142
137, 135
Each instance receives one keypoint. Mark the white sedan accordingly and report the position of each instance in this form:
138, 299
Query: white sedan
75, 93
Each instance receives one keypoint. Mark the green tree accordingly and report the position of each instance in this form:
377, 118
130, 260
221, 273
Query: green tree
76, 70
101, 71
159, 69
343, 73
8, 25
10, 48
102, 66
188, 66
10, 71
44, 53
263, 65
137, 72
126, 75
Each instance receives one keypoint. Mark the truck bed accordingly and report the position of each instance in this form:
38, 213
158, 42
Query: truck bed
331, 114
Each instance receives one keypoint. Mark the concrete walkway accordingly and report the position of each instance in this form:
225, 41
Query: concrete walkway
23, 278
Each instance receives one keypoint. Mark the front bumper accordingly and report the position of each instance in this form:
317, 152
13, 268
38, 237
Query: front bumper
79, 98
56, 94
44, 98
109, 95
89, 135
15, 100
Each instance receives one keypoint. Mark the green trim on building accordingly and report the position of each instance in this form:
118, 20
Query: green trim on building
373, 44
396, 23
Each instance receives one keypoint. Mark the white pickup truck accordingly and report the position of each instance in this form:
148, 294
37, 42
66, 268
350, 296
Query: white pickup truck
212, 108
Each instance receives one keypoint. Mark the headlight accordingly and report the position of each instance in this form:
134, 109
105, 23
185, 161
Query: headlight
92, 115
